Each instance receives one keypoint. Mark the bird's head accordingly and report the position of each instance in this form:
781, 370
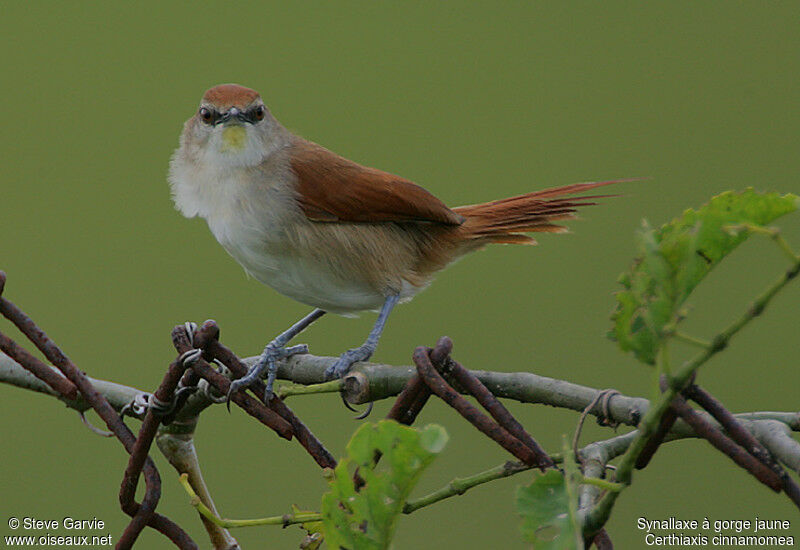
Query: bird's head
232, 126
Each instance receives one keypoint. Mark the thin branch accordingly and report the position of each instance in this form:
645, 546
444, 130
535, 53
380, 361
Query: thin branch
459, 486
562, 394
180, 451
118, 395
777, 438
373, 381
594, 459
284, 520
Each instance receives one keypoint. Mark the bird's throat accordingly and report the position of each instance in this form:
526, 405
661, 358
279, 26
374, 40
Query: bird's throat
233, 138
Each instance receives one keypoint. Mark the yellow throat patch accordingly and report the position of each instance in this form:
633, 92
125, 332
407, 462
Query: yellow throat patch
233, 138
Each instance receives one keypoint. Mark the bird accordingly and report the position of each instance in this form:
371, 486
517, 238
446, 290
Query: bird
326, 231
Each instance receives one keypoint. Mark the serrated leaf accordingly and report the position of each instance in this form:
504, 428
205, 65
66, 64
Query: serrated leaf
673, 259
548, 518
365, 518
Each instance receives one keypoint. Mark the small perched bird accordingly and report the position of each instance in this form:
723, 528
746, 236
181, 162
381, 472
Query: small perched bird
325, 230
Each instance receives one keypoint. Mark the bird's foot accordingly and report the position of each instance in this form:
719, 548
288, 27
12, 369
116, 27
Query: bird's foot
268, 360
347, 359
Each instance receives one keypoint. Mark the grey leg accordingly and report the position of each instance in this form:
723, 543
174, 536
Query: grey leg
365, 351
276, 350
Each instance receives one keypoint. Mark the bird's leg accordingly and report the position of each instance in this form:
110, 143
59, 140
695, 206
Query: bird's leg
272, 352
364, 351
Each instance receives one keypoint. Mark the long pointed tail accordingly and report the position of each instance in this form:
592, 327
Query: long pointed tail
506, 220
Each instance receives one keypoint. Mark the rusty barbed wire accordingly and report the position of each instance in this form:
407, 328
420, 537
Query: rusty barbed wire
207, 337
143, 513
500, 430
723, 443
740, 435
602, 541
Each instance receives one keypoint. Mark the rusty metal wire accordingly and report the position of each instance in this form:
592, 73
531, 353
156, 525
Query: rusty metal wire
141, 448
501, 430
664, 426
142, 514
64, 387
668, 420
410, 401
207, 337
725, 444
602, 541
740, 435
489, 402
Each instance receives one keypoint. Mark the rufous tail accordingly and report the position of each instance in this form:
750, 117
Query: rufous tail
506, 220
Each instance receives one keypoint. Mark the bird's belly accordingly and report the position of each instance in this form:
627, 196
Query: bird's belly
311, 283
336, 282
304, 279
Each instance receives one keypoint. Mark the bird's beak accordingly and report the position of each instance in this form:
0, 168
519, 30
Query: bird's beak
232, 116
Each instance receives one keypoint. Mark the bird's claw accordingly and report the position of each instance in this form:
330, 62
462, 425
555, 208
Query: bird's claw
269, 358
346, 360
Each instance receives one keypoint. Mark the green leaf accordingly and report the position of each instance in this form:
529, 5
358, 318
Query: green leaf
314, 532
547, 508
365, 518
673, 259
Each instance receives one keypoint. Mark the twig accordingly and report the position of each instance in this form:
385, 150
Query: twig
374, 381
594, 460
141, 447
603, 484
654, 441
773, 233
180, 451
119, 395
664, 427
284, 520
459, 486
777, 438
604, 396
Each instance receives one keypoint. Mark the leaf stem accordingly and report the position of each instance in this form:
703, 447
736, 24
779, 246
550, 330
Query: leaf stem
602, 483
689, 339
284, 520
459, 486
773, 233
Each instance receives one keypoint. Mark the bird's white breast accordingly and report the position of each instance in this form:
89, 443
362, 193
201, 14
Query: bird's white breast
250, 212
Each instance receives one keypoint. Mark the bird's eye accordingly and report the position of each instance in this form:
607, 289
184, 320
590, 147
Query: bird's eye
258, 112
206, 115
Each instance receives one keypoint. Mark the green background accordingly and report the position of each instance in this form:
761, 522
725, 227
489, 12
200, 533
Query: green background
475, 101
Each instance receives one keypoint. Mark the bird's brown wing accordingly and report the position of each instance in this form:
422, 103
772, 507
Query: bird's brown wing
333, 189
